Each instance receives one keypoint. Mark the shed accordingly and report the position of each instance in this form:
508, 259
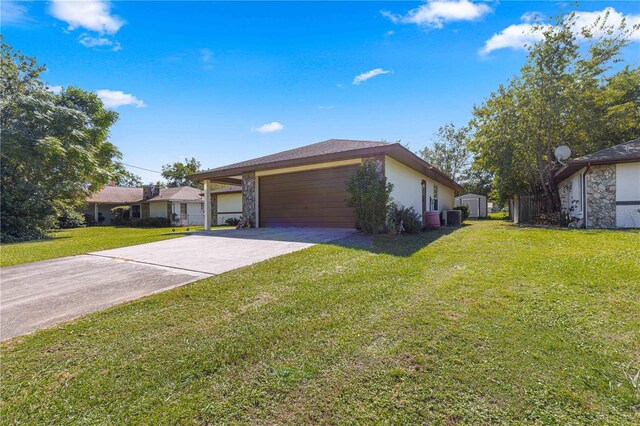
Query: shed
477, 205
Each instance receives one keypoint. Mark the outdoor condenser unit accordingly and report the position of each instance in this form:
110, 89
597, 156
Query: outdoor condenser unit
452, 218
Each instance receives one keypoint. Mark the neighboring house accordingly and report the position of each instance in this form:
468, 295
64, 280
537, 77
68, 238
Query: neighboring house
226, 203
602, 189
186, 203
305, 186
477, 204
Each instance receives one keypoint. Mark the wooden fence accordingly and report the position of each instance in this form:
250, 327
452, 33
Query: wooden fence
526, 208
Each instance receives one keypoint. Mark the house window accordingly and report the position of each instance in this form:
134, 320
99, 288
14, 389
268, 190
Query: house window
435, 197
183, 211
135, 211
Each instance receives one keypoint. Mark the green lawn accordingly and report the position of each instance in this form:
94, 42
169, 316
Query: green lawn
69, 242
491, 323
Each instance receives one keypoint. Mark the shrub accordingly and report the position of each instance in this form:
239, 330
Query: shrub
370, 194
89, 219
232, 221
464, 210
119, 215
149, 222
71, 219
404, 219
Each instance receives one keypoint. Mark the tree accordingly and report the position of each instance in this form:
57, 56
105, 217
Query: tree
370, 196
54, 148
127, 179
565, 94
449, 151
176, 173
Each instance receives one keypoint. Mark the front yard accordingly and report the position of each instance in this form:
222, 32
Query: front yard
70, 242
491, 323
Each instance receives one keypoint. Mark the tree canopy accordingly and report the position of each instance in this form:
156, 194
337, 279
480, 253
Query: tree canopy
575, 89
176, 173
55, 148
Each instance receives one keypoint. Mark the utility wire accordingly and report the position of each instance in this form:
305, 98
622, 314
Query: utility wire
141, 168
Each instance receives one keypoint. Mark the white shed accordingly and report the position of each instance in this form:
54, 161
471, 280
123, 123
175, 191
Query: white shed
477, 205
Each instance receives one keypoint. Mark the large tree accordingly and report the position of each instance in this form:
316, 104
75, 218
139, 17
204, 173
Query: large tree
55, 148
574, 90
448, 151
176, 173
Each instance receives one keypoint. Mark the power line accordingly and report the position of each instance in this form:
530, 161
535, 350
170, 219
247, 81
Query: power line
142, 168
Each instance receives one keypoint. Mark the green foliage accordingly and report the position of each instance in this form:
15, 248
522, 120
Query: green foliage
125, 178
71, 218
149, 222
464, 210
232, 221
404, 219
565, 94
54, 148
370, 195
120, 215
176, 173
448, 151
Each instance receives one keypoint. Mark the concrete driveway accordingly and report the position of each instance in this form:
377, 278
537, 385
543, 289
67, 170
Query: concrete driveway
40, 294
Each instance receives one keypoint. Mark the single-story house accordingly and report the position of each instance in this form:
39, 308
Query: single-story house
186, 203
602, 189
226, 203
305, 187
477, 205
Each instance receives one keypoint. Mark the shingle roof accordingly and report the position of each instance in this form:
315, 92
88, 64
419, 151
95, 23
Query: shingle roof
120, 195
228, 189
183, 193
116, 195
623, 153
331, 146
326, 151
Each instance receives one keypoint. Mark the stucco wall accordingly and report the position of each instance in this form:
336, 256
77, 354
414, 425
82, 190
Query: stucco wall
571, 194
158, 209
229, 206
407, 187
628, 195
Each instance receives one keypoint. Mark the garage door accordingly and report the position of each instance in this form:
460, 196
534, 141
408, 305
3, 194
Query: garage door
310, 198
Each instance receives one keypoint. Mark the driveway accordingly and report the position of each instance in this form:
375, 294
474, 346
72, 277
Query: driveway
40, 294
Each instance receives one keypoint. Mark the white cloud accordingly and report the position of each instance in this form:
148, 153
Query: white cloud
326, 107
13, 13
274, 126
435, 13
206, 55
519, 36
116, 98
93, 15
89, 41
369, 74
55, 89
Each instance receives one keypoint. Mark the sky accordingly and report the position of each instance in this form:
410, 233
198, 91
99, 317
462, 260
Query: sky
228, 81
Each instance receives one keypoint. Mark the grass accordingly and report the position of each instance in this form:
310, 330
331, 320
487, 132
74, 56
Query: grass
69, 242
498, 215
491, 323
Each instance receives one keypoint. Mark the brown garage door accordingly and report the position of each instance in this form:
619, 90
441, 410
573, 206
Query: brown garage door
309, 198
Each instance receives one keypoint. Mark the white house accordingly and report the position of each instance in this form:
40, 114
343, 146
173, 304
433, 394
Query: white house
602, 189
477, 205
183, 205
226, 203
305, 187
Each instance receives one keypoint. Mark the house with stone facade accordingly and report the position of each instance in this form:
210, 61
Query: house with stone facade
183, 205
602, 189
305, 187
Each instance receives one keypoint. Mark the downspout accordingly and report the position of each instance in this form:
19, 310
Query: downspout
584, 195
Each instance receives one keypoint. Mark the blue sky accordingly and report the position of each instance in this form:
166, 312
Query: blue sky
224, 82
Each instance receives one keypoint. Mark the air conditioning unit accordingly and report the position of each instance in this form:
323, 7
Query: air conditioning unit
452, 218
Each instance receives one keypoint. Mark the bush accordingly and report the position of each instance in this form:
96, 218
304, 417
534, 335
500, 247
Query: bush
370, 193
119, 215
71, 219
89, 219
232, 221
149, 222
404, 219
464, 210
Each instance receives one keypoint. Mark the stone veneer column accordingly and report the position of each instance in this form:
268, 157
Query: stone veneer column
249, 197
214, 210
601, 196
